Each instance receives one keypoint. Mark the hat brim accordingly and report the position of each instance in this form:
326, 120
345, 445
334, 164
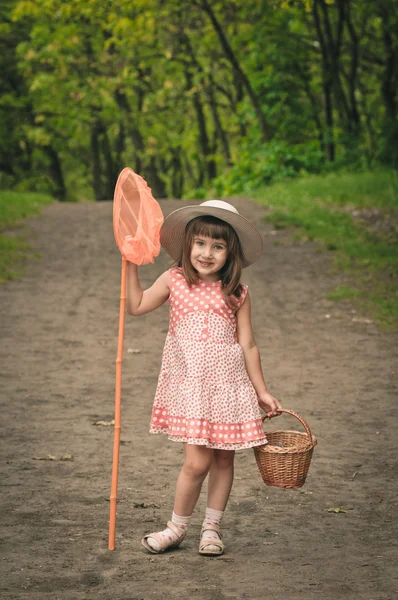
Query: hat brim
173, 230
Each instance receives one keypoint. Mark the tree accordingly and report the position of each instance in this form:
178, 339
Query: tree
256, 88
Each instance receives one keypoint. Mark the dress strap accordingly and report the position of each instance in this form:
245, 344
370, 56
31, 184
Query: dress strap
176, 270
243, 294
176, 277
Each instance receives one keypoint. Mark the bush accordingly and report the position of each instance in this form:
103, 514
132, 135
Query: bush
257, 166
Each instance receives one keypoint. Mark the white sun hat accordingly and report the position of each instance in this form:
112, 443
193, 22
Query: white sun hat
173, 229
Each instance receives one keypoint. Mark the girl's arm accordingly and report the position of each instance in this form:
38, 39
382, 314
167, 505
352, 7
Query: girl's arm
267, 402
140, 302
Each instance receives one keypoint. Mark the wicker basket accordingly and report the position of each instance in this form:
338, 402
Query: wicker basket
285, 460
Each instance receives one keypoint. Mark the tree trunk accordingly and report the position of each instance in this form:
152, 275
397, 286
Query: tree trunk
326, 86
352, 79
96, 160
153, 179
203, 137
132, 129
240, 74
56, 173
119, 148
329, 144
389, 84
109, 174
210, 88
177, 180
305, 78
333, 48
390, 74
369, 126
222, 136
188, 169
104, 176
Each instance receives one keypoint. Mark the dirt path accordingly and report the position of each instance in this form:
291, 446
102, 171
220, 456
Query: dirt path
58, 334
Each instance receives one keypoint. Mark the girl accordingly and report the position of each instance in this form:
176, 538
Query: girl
211, 387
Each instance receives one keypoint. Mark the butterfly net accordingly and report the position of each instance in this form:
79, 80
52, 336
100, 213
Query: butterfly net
137, 219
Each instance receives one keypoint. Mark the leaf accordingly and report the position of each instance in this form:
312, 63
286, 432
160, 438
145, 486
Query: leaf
47, 457
66, 457
144, 505
52, 457
361, 320
104, 423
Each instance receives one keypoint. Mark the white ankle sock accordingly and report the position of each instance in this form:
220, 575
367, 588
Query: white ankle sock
212, 517
181, 522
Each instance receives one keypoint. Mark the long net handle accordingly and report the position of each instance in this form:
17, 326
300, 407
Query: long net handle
118, 387
302, 421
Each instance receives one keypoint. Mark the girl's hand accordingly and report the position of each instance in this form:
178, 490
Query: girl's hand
270, 405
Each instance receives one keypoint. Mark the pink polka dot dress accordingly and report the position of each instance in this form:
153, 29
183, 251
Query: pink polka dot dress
204, 395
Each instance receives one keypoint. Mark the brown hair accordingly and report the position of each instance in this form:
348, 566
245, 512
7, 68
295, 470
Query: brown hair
230, 273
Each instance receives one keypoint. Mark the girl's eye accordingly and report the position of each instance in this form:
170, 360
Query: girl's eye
218, 247
199, 243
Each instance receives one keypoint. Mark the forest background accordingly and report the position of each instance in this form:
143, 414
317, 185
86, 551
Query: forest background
212, 98
193, 94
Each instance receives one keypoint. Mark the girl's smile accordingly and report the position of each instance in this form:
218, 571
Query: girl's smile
208, 256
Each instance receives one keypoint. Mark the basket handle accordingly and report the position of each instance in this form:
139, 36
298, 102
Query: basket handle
294, 414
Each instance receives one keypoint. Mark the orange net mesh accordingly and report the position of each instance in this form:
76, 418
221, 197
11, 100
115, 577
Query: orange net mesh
137, 219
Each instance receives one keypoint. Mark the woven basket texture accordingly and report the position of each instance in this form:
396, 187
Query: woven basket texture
285, 460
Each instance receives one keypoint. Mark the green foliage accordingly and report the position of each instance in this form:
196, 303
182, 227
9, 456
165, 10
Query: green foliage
268, 163
214, 94
12, 251
14, 208
344, 292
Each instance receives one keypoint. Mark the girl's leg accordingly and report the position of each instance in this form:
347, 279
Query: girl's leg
220, 479
220, 484
198, 460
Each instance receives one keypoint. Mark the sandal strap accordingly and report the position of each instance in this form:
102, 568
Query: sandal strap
175, 529
206, 541
210, 527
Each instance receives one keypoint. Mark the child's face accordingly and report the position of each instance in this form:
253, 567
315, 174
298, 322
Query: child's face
208, 256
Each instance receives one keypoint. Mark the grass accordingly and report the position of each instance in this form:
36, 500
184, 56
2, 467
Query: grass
343, 292
323, 209
14, 208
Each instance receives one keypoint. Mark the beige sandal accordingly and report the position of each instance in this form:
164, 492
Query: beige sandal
205, 543
164, 544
